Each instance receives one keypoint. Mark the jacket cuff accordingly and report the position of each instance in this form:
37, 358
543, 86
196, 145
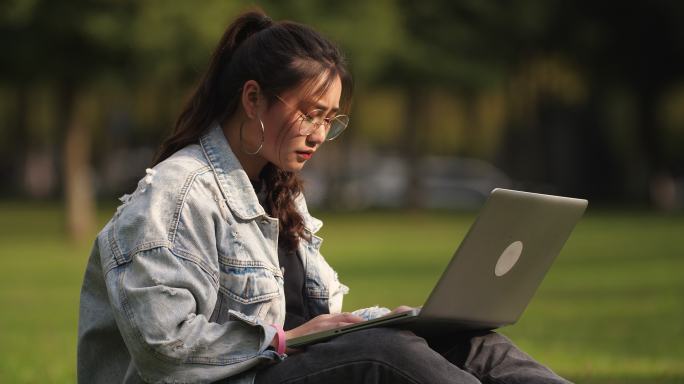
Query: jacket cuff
268, 331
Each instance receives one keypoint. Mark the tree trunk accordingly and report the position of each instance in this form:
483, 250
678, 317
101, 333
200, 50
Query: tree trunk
19, 138
413, 131
78, 185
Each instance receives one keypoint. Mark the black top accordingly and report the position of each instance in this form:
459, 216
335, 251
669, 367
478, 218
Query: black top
296, 310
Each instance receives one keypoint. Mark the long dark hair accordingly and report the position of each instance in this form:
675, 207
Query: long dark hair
279, 56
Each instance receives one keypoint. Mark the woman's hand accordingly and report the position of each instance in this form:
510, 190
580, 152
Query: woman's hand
322, 323
401, 308
318, 324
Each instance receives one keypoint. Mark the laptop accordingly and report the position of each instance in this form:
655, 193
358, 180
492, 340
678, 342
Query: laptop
495, 271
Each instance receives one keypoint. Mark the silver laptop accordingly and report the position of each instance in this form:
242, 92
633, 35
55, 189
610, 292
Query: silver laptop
494, 272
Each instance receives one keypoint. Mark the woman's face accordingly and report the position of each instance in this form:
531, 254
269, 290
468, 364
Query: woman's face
284, 145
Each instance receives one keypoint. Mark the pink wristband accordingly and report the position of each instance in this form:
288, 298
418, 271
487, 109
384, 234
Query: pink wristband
280, 333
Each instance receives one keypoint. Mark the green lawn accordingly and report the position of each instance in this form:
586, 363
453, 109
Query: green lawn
611, 309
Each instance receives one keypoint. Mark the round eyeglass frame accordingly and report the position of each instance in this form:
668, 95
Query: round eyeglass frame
333, 126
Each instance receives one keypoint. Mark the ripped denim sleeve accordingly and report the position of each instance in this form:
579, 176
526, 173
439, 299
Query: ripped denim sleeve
163, 303
142, 187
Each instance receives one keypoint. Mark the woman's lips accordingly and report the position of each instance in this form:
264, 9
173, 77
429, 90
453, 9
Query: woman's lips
304, 155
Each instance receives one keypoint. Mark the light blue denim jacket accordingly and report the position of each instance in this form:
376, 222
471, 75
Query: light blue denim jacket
183, 282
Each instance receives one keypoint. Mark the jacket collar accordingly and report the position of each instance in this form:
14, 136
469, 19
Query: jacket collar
234, 182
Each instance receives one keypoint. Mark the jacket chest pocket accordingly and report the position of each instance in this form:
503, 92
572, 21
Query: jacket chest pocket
249, 287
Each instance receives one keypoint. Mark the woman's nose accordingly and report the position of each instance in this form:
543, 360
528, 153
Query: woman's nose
318, 135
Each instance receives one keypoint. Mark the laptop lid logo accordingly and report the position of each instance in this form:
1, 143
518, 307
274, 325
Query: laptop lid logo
508, 258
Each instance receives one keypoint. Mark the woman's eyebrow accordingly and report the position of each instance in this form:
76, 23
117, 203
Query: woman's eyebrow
323, 107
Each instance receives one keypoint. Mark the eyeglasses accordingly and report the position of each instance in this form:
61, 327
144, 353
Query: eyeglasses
310, 122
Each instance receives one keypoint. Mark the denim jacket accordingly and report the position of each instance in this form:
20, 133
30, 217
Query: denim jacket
183, 282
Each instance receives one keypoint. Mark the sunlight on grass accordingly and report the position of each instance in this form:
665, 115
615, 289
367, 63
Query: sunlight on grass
610, 310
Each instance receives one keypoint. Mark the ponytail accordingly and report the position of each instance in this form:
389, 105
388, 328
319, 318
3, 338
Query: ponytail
207, 100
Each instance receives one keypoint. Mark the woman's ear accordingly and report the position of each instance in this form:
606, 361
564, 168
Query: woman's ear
251, 92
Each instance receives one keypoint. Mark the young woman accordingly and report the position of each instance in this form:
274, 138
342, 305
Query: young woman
213, 262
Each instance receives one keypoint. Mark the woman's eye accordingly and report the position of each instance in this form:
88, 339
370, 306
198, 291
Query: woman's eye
317, 115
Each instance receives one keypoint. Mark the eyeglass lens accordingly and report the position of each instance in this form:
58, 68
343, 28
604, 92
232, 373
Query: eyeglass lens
316, 118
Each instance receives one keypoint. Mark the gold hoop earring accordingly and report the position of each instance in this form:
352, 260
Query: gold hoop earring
242, 145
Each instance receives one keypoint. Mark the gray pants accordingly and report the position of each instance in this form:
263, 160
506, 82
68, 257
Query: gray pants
384, 355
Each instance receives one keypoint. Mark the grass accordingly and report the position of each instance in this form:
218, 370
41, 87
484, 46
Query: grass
611, 309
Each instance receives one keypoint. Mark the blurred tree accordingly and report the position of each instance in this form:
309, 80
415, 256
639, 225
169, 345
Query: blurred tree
561, 60
173, 42
453, 46
73, 46
627, 48
560, 65
68, 45
635, 46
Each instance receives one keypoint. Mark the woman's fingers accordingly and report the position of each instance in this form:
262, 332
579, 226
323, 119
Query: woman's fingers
402, 308
348, 317
340, 320
344, 324
323, 323
338, 317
